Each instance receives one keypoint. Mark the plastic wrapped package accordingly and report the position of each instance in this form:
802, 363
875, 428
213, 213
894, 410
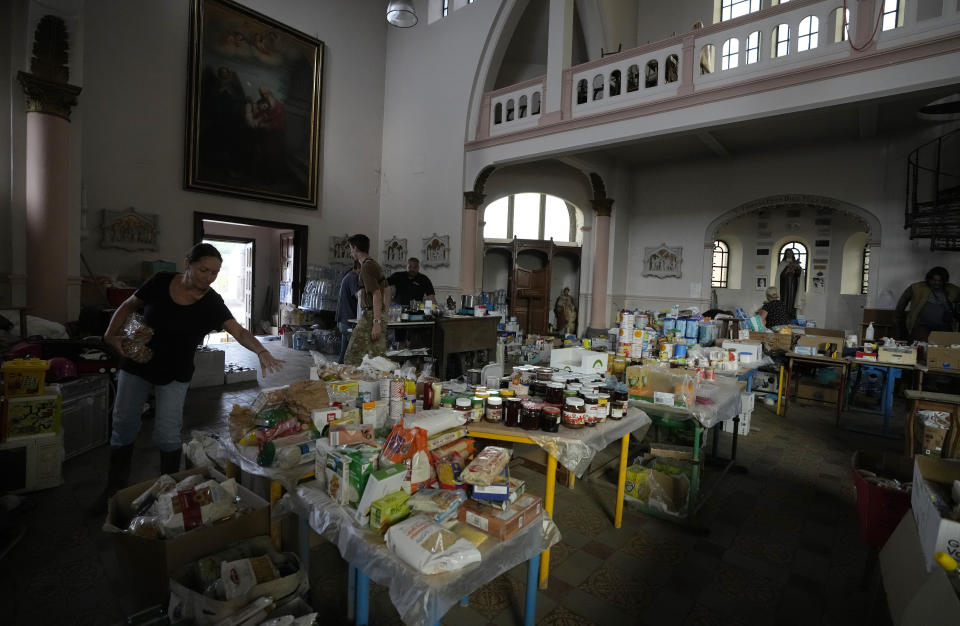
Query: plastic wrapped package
137, 334
419, 598
430, 548
662, 385
486, 466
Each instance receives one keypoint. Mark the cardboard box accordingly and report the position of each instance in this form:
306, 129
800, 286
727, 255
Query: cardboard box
901, 355
939, 353
501, 524
773, 341
820, 393
936, 533
915, 597
831, 333
753, 348
658, 490
31, 415
146, 563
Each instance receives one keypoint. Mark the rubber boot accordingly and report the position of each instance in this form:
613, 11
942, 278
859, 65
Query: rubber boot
117, 476
170, 462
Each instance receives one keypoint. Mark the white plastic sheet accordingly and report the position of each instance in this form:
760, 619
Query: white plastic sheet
717, 401
419, 598
575, 448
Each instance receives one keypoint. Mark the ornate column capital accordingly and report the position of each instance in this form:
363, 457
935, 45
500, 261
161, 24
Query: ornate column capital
472, 200
602, 207
48, 96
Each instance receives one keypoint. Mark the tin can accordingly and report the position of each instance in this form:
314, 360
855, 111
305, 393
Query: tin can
680, 351
709, 374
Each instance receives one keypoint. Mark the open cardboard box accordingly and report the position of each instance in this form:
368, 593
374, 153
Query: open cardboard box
146, 563
939, 353
937, 534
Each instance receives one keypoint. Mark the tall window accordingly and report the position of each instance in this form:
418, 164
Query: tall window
730, 55
799, 253
721, 264
730, 9
891, 14
781, 40
532, 216
865, 273
807, 33
753, 47
445, 8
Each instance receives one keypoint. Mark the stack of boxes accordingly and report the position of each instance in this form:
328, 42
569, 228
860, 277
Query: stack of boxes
31, 439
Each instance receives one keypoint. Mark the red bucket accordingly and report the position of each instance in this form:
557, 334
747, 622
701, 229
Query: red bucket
880, 509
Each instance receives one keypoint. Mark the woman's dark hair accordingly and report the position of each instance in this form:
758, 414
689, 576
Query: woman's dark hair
360, 242
201, 250
941, 272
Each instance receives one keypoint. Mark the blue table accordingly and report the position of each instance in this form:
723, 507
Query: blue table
891, 372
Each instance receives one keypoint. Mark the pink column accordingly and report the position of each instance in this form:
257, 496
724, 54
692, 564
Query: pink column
468, 241
49, 102
48, 147
601, 254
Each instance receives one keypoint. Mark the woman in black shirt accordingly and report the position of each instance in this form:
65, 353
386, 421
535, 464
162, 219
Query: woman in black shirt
773, 312
180, 308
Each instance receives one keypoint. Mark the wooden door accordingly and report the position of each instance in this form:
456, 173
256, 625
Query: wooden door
528, 301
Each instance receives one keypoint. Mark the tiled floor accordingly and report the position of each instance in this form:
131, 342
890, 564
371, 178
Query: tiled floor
778, 544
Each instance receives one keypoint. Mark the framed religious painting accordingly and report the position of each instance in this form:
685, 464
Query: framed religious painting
253, 106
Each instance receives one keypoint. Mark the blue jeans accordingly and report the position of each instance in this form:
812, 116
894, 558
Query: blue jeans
132, 392
344, 339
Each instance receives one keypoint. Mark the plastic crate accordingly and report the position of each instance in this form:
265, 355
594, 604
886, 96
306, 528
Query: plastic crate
880, 509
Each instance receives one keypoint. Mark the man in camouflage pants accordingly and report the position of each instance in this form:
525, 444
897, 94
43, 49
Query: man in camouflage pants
370, 335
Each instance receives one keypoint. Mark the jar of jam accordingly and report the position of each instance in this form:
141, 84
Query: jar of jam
603, 401
618, 409
538, 389
550, 418
591, 405
554, 393
476, 403
530, 415
620, 392
494, 411
545, 374
463, 407
574, 414
511, 413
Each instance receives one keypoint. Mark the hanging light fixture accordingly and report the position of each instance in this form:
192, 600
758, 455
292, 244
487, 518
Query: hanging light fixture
400, 13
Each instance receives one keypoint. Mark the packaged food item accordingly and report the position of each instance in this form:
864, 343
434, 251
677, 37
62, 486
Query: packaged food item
388, 510
380, 483
501, 524
137, 334
184, 509
441, 504
430, 548
485, 467
419, 468
397, 446
346, 434
240, 576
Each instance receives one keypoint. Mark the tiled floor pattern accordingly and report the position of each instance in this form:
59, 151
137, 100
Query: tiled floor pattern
778, 544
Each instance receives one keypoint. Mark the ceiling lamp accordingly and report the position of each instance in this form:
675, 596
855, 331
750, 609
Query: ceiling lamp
400, 13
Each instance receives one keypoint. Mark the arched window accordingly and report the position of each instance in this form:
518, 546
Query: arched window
535, 103
840, 23
730, 9
799, 253
650, 74
865, 270
523, 107
707, 56
598, 87
497, 113
721, 264
808, 33
730, 54
892, 14
532, 216
510, 110
582, 91
781, 40
672, 69
633, 78
753, 47
615, 83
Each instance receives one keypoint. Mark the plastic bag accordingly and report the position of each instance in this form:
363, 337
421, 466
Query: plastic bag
137, 336
428, 547
486, 466
396, 448
419, 469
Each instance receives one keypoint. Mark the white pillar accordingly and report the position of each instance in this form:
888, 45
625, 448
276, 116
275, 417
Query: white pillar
558, 53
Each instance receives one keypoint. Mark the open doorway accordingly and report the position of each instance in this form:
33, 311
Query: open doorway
264, 265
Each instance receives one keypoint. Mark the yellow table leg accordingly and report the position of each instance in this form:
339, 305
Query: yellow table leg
548, 507
276, 492
230, 469
621, 480
780, 390
571, 479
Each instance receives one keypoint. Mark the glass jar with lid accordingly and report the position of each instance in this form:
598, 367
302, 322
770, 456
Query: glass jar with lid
530, 415
494, 412
574, 414
511, 412
463, 406
550, 417
554, 393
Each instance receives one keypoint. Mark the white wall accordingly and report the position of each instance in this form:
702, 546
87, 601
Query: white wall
134, 103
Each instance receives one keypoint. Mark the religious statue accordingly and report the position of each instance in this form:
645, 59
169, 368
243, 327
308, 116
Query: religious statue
566, 311
792, 283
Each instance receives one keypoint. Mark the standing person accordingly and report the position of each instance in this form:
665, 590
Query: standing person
411, 285
180, 308
932, 306
773, 312
347, 305
792, 283
369, 336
